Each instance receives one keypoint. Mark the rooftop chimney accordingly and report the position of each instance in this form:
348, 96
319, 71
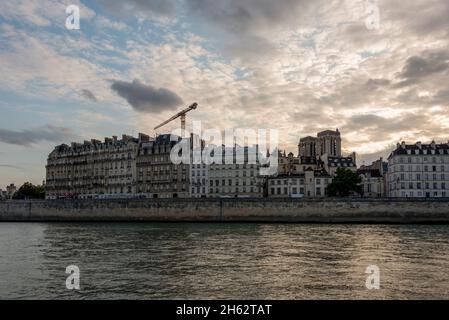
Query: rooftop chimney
143, 137
114, 138
419, 144
403, 144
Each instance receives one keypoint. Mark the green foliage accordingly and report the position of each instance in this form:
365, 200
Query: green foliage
30, 191
345, 183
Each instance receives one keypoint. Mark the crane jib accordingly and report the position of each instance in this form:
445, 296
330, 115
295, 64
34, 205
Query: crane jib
181, 114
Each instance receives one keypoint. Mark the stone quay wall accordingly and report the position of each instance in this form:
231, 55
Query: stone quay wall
230, 210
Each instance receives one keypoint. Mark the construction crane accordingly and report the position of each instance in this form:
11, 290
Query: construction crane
181, 115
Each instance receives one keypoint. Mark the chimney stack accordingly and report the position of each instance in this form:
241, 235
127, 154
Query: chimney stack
143, 137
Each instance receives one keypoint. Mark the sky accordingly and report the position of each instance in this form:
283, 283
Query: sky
378, 70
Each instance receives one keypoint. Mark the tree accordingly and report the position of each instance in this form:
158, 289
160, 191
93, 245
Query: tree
345, 183
29, 191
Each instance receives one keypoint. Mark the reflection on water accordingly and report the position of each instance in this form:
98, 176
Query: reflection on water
213, 261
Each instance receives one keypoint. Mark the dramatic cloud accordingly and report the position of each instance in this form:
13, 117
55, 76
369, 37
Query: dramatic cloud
88, 95
417, 68
371, 128
249, 16
298, 66
250, 28
145, 98
153, 8
28, 137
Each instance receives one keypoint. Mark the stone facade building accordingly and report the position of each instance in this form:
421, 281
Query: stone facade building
199, 180
157, 175
374, 179
327, 142
308, 147
419, 170
234, 178
309, 174
309, 184
289, 164
331, 163
93, 169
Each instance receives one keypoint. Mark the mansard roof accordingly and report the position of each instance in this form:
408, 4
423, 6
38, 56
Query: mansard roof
340, 162
421, 149
308, 160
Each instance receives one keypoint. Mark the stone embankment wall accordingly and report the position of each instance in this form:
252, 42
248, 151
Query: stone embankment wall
227, 210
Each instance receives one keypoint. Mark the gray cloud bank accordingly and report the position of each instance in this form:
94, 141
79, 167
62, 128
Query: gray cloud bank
31, 136
146, 98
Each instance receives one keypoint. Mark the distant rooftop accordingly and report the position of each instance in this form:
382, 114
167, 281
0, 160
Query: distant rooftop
421, 149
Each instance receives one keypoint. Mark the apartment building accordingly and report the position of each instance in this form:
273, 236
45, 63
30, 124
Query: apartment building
157, 175
374, 179
419, 170
309, 184
93, 169
237, 175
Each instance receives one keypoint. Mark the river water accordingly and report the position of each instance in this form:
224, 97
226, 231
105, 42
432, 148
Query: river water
223, 261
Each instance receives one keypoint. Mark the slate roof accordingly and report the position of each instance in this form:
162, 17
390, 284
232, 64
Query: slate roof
421, 149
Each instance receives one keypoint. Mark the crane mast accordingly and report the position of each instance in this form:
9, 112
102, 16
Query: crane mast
182, 115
